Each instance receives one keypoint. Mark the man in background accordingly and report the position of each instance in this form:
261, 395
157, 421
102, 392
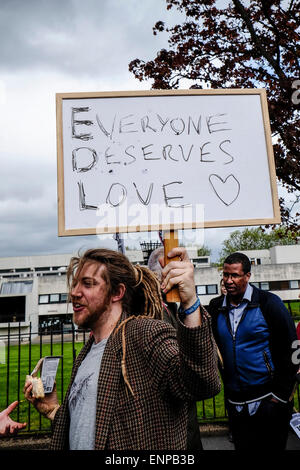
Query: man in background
255, 334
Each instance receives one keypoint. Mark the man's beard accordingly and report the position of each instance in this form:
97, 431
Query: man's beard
89, 321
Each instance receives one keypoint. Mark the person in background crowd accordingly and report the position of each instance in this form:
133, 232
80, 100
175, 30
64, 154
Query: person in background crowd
8, 427
170, 316
132, 382
222, 287
255, 333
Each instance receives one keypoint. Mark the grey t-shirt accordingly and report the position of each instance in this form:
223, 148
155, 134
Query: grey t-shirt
83, 400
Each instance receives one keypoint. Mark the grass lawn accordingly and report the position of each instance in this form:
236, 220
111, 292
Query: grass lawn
294, 308
12, 378
27, 357
212, 408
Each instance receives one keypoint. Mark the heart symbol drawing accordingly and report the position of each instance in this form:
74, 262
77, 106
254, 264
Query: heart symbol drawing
227, 190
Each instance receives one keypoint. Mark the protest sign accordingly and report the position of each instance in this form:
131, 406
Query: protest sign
164, 160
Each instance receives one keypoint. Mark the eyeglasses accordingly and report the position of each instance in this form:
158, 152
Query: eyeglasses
233, 275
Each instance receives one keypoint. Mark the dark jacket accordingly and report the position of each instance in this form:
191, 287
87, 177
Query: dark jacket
165, 373
193, 431
258, 360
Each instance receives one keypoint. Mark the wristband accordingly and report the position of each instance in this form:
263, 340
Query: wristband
191, 309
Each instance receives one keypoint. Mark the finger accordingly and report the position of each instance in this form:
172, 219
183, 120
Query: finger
186, 266
11, 407
16, 425
26, 386
13, 430
179, 251
172, 278
28, 393
177, 268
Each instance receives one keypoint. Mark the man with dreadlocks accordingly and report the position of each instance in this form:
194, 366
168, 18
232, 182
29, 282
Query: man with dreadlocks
132, 381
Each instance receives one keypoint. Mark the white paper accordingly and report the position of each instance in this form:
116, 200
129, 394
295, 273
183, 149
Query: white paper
49, 370
295, 423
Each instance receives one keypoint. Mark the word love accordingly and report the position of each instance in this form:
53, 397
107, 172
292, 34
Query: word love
118, 192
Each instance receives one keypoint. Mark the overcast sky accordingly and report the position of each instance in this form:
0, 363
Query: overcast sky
60, 46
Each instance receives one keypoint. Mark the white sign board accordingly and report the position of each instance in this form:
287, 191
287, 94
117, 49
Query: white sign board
161, 160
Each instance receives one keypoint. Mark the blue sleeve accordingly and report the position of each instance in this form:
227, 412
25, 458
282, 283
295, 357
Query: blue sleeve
282, 337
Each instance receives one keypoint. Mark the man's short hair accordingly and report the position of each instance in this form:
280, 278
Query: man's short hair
237, 257
153, 261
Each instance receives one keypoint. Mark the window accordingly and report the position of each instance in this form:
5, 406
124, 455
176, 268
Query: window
54, 298
264, 285
294, 285
279, 285
201, 260
255, 261
200, 290
63, 298
12, 309
16, 287
43, 299
212, 289
207, 290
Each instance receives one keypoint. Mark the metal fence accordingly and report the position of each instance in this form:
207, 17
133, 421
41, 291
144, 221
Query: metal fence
19, 353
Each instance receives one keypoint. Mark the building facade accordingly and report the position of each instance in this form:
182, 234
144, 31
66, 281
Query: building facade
276, 270
33, 291
34, 294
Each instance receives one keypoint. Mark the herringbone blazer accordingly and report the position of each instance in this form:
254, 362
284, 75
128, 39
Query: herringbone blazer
165, 371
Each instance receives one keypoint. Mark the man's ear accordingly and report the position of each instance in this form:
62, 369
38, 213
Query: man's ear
120, 293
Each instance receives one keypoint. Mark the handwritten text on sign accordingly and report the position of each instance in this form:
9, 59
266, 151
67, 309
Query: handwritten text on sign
142, 157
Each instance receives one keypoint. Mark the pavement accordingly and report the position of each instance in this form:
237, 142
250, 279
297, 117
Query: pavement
219, 440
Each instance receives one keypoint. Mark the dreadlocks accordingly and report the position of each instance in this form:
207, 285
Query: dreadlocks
142, 297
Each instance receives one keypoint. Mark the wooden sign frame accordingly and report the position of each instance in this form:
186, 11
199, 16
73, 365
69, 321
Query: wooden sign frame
62, 98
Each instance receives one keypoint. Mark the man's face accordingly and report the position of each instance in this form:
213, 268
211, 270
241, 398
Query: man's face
89, 295
235, 280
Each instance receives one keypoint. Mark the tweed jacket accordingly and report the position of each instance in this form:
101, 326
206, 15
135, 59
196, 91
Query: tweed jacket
165, 373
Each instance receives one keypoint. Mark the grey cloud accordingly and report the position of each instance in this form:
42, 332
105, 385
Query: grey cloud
24, 182
77, 37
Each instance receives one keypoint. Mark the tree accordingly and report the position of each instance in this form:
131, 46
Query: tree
240, 44
204, 251
255, 239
